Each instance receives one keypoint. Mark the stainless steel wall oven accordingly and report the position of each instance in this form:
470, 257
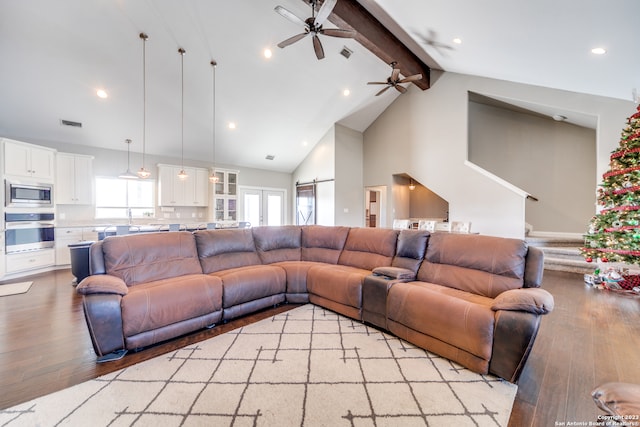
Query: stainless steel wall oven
29, 231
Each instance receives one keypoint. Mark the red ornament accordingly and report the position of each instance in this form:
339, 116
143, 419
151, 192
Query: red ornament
604, 259
589, 259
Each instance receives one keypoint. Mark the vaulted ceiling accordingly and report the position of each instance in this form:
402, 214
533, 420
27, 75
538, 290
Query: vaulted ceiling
57, 54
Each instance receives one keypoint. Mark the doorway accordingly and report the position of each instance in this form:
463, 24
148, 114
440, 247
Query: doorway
262, 206
375, 206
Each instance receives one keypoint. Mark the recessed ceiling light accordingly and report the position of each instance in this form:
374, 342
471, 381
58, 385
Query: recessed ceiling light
305, 143
457, 40
232, 125
102, 93
346, 92
598, 51
267, 53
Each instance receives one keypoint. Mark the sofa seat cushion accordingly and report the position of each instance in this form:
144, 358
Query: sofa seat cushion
160, 303
297, 272
461, 319
338, 283
251, 283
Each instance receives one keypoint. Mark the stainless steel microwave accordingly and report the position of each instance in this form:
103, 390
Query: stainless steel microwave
27, 194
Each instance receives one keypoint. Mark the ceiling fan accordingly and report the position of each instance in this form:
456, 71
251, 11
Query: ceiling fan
395, 81
431, 39
313, 25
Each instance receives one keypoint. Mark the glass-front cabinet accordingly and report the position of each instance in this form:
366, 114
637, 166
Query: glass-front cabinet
225, 196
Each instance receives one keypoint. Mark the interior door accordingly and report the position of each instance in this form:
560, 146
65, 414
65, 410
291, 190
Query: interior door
262, 206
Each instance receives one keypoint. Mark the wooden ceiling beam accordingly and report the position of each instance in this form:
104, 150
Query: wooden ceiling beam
379, 40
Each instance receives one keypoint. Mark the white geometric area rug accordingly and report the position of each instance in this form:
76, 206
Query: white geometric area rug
305, 367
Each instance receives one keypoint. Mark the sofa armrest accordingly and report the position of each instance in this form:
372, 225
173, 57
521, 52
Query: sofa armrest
395, 273
103, 315
102, 284
533, 267
532, 300
618, 399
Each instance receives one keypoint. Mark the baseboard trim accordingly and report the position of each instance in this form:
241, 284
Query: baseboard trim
556, 235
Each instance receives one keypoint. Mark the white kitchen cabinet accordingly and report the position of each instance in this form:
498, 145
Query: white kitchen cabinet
66, 236
171, 189
225, 196
197, 186
28, 161
2, 261
23, 261
191, 191
74, 179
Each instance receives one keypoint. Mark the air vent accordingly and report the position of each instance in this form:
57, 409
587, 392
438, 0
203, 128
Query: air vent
270, 157
346, 52
64, 122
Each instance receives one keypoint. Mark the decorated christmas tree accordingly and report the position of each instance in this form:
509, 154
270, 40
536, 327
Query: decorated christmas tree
614, 232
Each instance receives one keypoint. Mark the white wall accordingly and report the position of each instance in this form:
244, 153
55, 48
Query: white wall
113, 162
337, 160
349, 196
319, 165
424, 134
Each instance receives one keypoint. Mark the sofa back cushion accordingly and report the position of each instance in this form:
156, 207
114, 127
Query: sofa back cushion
277, 244
225, 249
322, 243
368, 248
410, 249
145, 257
483, 265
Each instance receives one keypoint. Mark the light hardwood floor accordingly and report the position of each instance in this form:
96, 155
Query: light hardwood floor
591, 337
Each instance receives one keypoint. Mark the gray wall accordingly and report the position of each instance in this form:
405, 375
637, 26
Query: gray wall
425, 134
551, 160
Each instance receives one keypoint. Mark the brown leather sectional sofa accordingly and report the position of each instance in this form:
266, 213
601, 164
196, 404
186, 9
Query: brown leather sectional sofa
473, 299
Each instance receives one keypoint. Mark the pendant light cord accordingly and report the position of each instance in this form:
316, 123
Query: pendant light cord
144, 38
182, 52
213, 122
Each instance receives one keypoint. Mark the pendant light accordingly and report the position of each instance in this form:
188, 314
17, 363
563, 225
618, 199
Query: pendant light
181, 51
143, 172
128, 174
212, 177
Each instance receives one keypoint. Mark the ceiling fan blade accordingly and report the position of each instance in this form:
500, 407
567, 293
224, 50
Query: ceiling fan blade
400, 89
290, 16
292, 40
395, 74
317, 46
411, 78
338, 32
324, 12
378, 83
382, 91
